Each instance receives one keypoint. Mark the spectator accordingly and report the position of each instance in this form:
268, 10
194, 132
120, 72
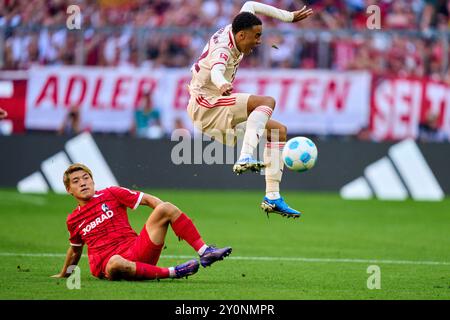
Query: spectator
430, 131
433, 12
117, 44
400, 16
363, 59
6, 125
3, 114
364, 134
72, 122
281, 54
179, 123
147, 120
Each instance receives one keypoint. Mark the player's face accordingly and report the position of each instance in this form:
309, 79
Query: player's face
81, 185
250, 39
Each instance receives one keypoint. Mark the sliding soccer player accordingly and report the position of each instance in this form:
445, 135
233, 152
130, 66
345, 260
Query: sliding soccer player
115, 251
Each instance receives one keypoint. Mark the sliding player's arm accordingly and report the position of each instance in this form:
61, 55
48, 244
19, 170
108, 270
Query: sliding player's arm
150, 201
72, 258
133, 198
280, 14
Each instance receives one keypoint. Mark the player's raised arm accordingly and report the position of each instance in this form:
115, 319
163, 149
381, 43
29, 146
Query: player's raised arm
280, 14
72, 258
302, 14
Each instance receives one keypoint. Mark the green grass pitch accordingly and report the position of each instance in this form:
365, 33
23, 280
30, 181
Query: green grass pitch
323, 255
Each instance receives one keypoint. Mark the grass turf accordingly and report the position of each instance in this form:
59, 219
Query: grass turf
269, 259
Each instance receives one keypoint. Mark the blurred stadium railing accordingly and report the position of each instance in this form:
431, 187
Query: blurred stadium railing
401, 52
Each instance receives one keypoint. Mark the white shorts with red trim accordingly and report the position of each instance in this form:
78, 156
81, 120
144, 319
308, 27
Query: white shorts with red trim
218, 116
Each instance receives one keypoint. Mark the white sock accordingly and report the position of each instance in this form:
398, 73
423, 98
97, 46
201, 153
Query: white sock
274, 168
273, 195
172, 273
202, 249
256, 123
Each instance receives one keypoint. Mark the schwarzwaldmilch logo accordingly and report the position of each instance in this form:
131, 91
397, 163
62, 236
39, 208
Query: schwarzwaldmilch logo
403, 172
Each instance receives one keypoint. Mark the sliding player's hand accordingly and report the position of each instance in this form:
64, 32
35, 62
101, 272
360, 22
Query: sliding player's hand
226, 89
58, 276
302, 14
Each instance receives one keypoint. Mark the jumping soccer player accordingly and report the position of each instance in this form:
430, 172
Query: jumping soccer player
115, 251
215, 109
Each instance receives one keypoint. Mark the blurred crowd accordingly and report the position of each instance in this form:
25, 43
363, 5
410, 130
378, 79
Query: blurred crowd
146, 121
172, 33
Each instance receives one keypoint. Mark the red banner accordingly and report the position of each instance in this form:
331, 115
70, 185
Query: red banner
315, 102
14, 104
310, 102
399, 105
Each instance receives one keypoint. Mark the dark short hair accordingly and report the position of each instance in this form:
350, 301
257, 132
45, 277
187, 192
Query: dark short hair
245, 20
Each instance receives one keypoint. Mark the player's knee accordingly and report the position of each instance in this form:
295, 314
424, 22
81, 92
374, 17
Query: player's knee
114, 267
278, 133
283, 133
169, 209
270, 102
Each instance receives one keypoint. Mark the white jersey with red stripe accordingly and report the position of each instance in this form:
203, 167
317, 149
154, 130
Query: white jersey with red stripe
221, 49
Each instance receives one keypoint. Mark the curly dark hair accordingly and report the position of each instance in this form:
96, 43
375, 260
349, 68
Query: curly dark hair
245, 20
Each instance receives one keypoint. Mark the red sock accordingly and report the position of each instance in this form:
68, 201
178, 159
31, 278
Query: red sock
148, 271
186, 230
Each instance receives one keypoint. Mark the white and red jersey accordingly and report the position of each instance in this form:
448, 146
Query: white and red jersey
221, 49
102, 223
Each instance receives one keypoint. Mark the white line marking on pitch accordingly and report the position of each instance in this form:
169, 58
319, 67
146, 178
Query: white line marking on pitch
34, 200
298, 259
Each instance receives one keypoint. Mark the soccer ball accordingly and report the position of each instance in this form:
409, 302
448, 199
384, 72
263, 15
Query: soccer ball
300, 154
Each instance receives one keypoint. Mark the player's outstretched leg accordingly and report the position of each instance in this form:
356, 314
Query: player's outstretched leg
259, 109
212, 254
247, 163
186, 269
120, 268
273, 202
280, 207
185, 229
